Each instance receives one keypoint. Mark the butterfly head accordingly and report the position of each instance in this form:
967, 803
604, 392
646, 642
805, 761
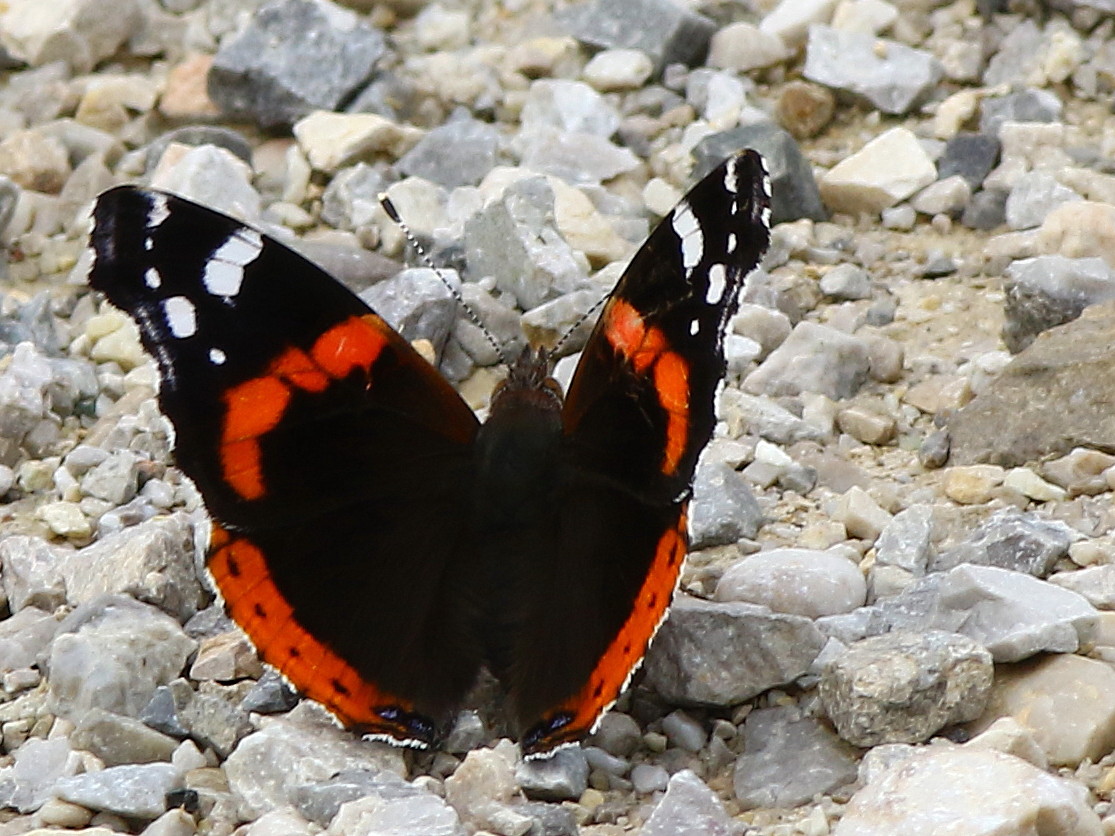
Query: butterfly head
529, 380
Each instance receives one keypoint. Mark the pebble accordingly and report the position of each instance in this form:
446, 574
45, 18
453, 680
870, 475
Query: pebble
972, 484
805, 109
903, 687
724, 509
618, 69
688, 808
969, 155
791, 20
867, 425
813, 358
562, 777
888, 169
795, 581
1080, 472
664, 31
333, 140
861, 515
743, 47
79, 33
135, 791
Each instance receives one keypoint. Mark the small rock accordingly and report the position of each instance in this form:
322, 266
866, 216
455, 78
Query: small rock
791, 20
331, 141
796, 581
1095, 583
226, 657
867, 425
458, 153
907, 540
422, 814
1033, 196
1029, 105
888, 169
1080, 229
903, 687
648, 778
947, 196
1049, 290
814, 358
618, 69
1010, 540
684, 732
689, 808
861, 515
482, 786
724, 510
78, 32
135, 791
805, 109
972, 484
743, 47
970, 155
846, 282
561, 777
1080, 472
118, 740
1032, 486
618, 734
664, 31
788, 759
725, 653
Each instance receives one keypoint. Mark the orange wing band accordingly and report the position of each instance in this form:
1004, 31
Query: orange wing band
647, 349
255, 407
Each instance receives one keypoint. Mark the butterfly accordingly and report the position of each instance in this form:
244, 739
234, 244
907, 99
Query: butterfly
381, 546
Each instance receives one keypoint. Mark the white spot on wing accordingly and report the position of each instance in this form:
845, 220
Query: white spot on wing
688, 229
733, 242
224, 272
695, 327
717, 281
181, 316
217, 357
159, 211
731, 177
152, 278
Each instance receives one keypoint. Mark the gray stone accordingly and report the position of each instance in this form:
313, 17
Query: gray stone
320, 801
213, 716
618, 734
794, 192
1050, 290
569, 107
299, 749
709, 653
1030, 105
759, 415
1014, 615
294, 57
416, 303
135, 791
112, 653
513, 241
24, 637
117, 740
575, 157
683, 731
907, 540
689, 808
666, 32
803, 582
560, 777
915, 608
458, 153
39, 764
153, 562
80, 33
1053, 396
787, 759
1020, 542
903, 687
1019, 54
986, 210
971, 155
890, 75
1033, 196
161, 711
422, 814
847, 282
814, 358
270, 695
647, 778
724, 510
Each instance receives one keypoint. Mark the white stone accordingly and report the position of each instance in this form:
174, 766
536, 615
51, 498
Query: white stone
946, 196
331, 141
867, 16
796, 581
78, 32
1029, 484
790, 19
888, 169
971, 792
618, 69
743, 47
861, 515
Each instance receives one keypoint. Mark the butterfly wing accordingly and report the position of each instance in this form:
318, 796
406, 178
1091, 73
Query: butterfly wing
640, 409
330, 455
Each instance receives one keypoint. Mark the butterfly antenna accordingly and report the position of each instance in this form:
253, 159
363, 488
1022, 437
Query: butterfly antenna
393, 214
580, 321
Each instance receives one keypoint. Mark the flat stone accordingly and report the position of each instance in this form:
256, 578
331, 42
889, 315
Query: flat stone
334, 140
936, 790
796, 581
688, 808
1021, 542
413, 815
709, 653
136, 791
904, 687
1062, 700
118, 740
458, 153
888, 169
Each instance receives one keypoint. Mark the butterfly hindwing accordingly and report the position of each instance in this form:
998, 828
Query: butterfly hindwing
326, 449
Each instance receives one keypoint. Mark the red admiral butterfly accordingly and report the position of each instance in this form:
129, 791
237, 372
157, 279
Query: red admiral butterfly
379, 544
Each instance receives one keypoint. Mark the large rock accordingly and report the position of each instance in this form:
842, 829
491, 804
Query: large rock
1057, 394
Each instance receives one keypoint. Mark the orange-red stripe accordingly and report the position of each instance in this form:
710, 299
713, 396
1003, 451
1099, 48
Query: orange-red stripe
255, 407
256, 604
648, 349
630, 644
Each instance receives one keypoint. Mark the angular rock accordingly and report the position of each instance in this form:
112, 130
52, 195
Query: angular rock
936, 790
663, 30
709, 653
1033, 196
119, 740
562, 777
421, 814
294, 57
112, 653
416, 303
907, 540
689, 808
890, 75
903, 687
814, 358
971, 155
1050, 290
319, 802
1096, 584
724, 510
458, 153
787, 759
78, 32
1029, 105
795, 581
24, 636
1010, 540
38, 766
136, 791
1055, 395
888, 169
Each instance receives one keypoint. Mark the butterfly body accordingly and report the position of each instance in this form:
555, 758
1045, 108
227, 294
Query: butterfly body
378, 543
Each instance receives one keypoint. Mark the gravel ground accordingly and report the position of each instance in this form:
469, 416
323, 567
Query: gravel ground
899, 611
